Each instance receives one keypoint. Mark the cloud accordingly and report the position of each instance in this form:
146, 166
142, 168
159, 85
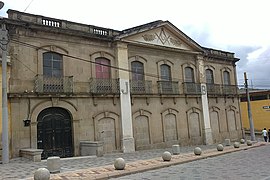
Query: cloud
257, 68
235, 26
253, 59
242, 52
201, 34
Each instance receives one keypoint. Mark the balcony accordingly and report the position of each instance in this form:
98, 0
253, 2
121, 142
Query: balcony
104, 86
214, 89
229, 89
54, 85
168, 87
140, 87
192, 88
218, 89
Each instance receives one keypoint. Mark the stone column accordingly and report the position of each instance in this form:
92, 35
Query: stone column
206, 129
125, 102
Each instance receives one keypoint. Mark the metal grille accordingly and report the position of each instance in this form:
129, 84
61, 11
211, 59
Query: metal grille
214, 89
140, 87
104, 86
192, 88
46, 84
168, 87
229, 90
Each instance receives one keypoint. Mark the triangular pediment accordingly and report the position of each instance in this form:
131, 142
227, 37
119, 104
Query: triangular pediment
163, 35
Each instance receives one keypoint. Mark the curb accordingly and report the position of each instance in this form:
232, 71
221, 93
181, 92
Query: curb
178, 159
107, 172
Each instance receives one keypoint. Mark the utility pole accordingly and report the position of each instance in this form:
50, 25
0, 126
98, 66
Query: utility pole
252, 134
3, 45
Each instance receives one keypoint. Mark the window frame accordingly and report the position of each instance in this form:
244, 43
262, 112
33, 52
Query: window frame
50, 62
211, 74
105, 69
226, 78
189, 79
165, 74
137, 69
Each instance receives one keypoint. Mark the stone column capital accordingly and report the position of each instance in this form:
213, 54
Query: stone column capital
199, 57
121, 45
201, 70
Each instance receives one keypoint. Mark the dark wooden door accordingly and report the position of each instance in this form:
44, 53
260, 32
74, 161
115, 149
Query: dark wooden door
54, 133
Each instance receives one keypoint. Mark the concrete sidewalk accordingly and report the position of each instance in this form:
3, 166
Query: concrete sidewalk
108, 171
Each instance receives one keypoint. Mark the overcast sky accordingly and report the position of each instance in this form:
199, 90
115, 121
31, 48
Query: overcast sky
239, 26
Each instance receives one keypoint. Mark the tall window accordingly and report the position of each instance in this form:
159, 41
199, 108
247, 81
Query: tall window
189, 75
52, 64
104, 83
137, 71
103, 70
165, 85
165, 72
209, 76
52, 72
137, 83
226, 78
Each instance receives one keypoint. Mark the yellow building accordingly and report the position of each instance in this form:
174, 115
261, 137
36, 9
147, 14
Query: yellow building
260, 109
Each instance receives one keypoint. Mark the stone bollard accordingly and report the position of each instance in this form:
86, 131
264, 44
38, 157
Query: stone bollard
119, 164
53, 164
166, 156
42, 174
249, 142
197, 151
242, 141
236, 144
227, 142
175, 149
220, 147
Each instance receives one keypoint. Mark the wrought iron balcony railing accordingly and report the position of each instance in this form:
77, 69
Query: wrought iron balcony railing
192, 88
140, 87
229, 89
214, 89
168, 87
218, 89
48, 84
104, 86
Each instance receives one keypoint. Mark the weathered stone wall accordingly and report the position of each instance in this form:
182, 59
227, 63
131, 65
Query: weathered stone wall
157, 120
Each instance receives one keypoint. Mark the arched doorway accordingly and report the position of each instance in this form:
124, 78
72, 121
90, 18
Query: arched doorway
54, 133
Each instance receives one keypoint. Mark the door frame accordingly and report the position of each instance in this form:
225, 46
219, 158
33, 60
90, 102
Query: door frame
37, 107
67, 115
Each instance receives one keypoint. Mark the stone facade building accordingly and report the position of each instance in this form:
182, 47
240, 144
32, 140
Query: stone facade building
149, 86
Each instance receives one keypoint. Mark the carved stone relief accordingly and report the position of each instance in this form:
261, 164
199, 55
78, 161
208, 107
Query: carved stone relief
163, 38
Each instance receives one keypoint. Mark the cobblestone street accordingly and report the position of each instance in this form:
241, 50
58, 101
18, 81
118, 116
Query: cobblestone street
242, 165
246, 162
21, 168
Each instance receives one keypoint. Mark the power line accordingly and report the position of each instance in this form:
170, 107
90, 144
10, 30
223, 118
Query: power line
114, 67
257, 79
92, 62
24, 64
88, 61
28, 6
68, 41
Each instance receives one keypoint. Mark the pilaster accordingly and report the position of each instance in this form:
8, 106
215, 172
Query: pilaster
206, 129
125, 102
